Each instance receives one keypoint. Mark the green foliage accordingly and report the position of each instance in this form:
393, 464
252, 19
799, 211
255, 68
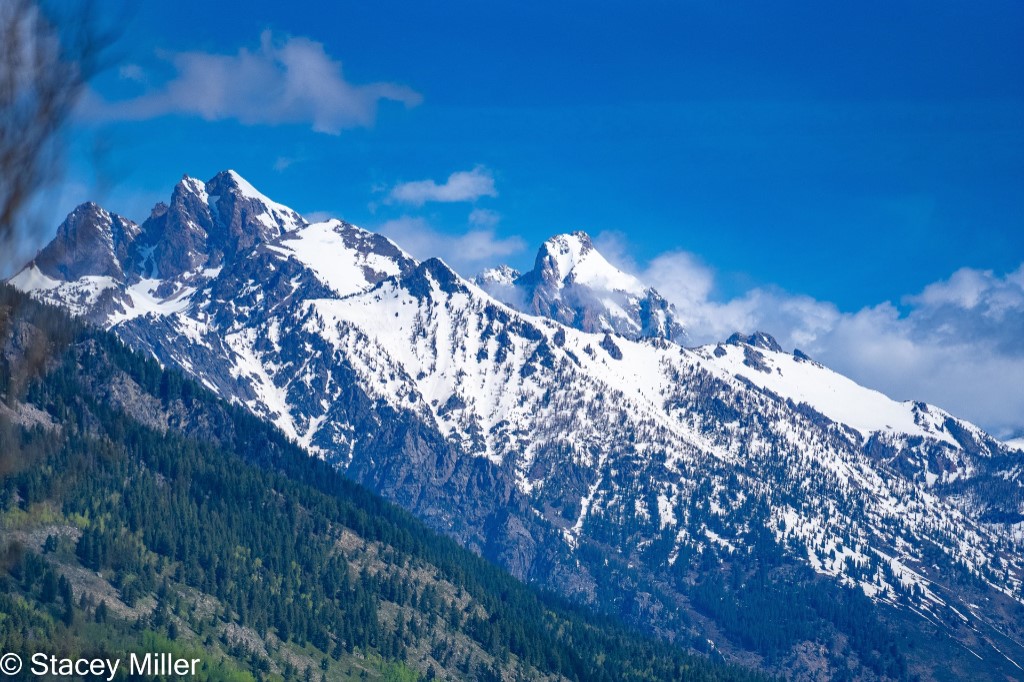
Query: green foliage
769, 615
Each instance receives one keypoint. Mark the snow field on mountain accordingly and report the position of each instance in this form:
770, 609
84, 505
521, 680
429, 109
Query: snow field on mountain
832, 394
322, 248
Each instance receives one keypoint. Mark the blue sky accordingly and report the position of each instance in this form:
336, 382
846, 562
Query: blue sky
798, 165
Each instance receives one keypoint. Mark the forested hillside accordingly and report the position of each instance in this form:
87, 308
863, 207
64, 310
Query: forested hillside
140, 513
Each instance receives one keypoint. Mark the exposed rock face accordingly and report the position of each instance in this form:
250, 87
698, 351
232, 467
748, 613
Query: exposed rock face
756, 340
208, 223
90, 241
245, 217
176, 238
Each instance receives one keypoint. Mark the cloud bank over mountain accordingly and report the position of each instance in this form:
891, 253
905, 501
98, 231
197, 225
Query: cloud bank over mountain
467, 251
958, 343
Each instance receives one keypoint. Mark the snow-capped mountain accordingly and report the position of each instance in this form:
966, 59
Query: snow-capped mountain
109, 269
502, 275
572, 283
577, 446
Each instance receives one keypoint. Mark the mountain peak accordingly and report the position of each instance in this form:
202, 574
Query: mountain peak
87, 207
228, 180
758, 339
202, 226
568, 259
90, 241
577, 241
192, 185
573, 283
559, 257
429, 277
502, 275
206, 223
249, 208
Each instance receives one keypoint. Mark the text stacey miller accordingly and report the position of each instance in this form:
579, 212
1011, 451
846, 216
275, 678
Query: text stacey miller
138, 664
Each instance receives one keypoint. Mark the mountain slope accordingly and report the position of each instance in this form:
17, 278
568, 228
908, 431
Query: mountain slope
139, 513
654, 481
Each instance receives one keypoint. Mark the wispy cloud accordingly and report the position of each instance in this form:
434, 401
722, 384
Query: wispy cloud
466, 252
460, 186
959, 343
484, 217
290, 81
283, 163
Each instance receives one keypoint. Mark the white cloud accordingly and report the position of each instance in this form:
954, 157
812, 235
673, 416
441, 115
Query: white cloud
683, 274
957, 356
465, 252
291, 81
460, 186
484, 217
963, 289
959, 343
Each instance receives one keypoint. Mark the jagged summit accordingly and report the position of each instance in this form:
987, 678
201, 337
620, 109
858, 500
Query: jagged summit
278, 218
115, 270
758, 339
571, 259
201, 226
231, 179
502, 275
208, 223
573, 283
430, 275
90, 241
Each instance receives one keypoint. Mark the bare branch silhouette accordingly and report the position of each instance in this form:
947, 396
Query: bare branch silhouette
46, 57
